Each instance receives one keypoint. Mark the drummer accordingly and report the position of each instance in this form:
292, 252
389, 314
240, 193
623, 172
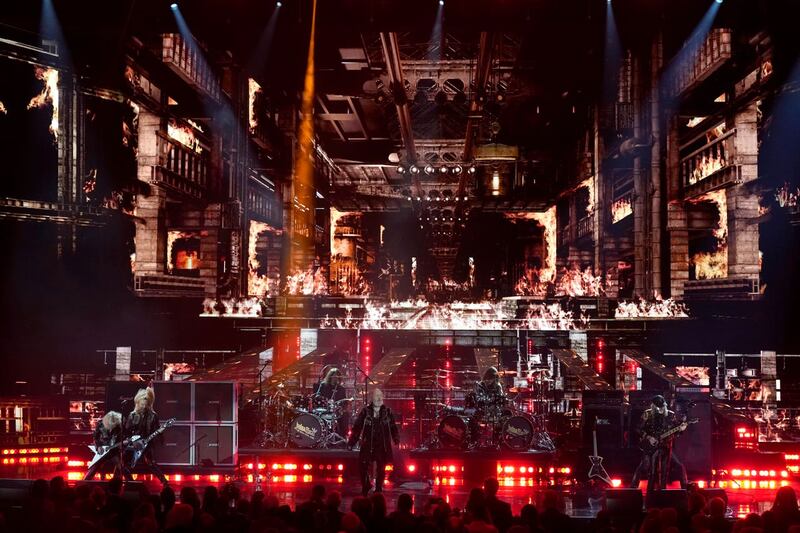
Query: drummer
328, 395
489, 390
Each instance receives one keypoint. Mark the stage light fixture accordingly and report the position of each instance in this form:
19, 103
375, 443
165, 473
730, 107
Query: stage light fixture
173, 6
401, 170
718, 1
278, 4
443, 170
457, 169
441, 2
472, 169
413, 169
429, 169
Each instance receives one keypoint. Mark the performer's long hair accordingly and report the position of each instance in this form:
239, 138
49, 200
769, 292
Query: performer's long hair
143, 394
491, 374
331, 373
112, 419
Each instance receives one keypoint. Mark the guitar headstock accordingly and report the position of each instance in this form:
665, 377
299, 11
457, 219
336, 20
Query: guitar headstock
168, 423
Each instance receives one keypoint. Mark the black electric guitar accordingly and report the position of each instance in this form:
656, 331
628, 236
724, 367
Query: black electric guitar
648, 446
597, 470
139, 445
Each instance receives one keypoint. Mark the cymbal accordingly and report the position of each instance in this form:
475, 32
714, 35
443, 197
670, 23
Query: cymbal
507, 373
466, 371
345, 400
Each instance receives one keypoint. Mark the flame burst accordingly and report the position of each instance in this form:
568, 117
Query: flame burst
3, 110
485, 315
714, 265
237, 307
577, 282
547, 220
657, 308
309, 282
49, 95
621, 209
708, 165
253, 88
258, 284
589, 184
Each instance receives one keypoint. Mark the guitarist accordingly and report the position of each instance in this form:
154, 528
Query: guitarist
108, 435
143, 421
657, 457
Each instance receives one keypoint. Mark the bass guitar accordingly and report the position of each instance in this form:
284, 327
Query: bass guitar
650, 445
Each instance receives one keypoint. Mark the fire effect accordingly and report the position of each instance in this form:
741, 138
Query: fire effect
184, 135
569, 282
714, 265
547, 220
309, 282
253, 88
3, 110
420, 315
49, 95
657, 308
577, 282
621, 208
236, 307
707, 165
258, 284
784, 195
588, 183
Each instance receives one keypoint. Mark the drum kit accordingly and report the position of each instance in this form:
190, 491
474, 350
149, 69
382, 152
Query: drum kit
486, 421
301, 421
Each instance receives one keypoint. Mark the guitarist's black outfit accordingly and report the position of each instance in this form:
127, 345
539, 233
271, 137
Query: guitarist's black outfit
108, 437
144, 424
656, 464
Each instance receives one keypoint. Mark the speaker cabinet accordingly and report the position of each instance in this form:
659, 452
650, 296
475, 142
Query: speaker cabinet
173, 400
214, 402
663, 499
625, 502
603, 410
215, 444
176, 447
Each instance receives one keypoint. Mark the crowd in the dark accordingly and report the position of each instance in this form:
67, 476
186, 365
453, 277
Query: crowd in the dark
88, 508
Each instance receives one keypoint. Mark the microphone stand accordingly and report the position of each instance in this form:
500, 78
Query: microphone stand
367, 381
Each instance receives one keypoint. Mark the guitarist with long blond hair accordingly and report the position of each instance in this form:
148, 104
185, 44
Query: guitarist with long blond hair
143, 421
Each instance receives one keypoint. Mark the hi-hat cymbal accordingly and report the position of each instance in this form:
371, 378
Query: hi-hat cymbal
465, 372
507, 373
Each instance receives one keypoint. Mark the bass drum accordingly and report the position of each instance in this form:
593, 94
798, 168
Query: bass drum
517, 433
452, 432
306, 430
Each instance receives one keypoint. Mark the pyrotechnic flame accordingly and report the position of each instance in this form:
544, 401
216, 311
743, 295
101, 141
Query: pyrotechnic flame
454, 316
547, 220
49, 95
577, 282
621, 209
707, 166
714, 265
309, 282
252, 90
589, 184
3, 110
258, 284
236, 307
657, 308
184, 135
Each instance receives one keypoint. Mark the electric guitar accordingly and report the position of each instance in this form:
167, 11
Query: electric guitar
650, 447
139, 445
100, 453
597, 470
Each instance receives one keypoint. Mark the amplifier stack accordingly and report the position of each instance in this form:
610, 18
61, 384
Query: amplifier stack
205, 432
